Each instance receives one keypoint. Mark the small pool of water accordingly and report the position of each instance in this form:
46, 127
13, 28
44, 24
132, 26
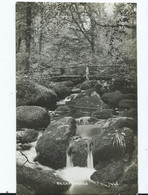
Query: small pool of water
79, 177
87, 130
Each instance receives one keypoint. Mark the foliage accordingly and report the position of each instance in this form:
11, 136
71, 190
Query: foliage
76, 35
119, 139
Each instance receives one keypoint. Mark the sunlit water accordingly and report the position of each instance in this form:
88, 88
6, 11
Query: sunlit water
30, 154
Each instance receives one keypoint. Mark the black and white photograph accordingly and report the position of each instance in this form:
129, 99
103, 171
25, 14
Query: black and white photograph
76, 98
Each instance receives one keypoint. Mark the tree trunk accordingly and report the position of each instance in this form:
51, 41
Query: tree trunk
28, 36
92, 44
41, 36
92, 41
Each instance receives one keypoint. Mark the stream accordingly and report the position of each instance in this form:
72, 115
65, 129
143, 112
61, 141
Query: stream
79, 177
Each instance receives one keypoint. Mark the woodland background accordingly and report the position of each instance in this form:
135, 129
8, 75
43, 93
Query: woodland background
64, 38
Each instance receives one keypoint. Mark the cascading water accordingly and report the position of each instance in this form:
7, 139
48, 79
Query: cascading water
79, 177
89, 155
69, 162
77, 174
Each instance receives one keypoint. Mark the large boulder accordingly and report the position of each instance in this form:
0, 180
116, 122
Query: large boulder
109, 174
22, 190
40, 182
52, 145
128, 182
85, 103
26, 136
30, 93
61, 90
127, 104
33, 117
112, 98
112, 144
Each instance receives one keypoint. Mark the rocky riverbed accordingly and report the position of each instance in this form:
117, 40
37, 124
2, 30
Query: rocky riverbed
48, 118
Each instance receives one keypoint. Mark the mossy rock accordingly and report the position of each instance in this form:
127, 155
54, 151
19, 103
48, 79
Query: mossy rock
33, 117
31, 93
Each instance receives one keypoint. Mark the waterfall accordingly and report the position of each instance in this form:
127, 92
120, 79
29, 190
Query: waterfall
90, 160
69, 155
69, 162
77, 176
90, 163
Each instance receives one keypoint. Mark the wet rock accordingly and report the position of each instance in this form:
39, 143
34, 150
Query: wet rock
26, 136
110, 174
127, 104
40, 181
30, 93
53, 143
79, 153
33, 117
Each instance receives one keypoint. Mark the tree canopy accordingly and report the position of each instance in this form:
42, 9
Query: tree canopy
75, 35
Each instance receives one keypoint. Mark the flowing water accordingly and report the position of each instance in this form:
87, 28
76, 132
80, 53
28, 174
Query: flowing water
69, 162
90, 160
79, 177
30, 154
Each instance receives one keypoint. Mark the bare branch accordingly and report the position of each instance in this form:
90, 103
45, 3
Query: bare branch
27, 160
79, 26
